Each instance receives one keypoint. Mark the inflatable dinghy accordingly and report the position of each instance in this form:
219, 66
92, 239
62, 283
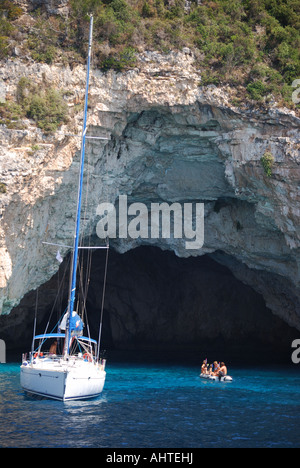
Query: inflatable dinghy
216, 378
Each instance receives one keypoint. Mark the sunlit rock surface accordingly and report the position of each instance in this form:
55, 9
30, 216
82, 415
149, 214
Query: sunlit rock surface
171, 140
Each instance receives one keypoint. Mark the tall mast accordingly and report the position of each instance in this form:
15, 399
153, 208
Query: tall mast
72, 290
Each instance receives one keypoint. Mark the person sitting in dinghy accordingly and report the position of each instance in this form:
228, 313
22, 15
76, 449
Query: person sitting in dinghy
204, 367
222, 370
216, 368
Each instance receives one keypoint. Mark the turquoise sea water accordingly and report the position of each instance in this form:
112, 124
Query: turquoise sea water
156, 405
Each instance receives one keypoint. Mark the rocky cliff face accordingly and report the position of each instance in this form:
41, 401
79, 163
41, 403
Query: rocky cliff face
169, 140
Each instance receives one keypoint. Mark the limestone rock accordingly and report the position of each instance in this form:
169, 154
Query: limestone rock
169, 140
53, 7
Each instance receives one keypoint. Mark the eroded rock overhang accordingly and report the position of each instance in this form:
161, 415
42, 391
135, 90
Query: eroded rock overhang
171, 140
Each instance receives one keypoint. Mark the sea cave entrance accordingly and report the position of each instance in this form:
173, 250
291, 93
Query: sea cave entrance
167, 307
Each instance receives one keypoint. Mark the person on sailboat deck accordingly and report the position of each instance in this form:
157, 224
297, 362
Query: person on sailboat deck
53, 348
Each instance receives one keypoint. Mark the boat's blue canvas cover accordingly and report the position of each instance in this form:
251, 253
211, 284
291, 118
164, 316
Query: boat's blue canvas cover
49, 335
76, 324
62, 335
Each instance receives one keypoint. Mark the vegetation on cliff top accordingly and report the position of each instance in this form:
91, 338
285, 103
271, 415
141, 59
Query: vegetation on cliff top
251, 44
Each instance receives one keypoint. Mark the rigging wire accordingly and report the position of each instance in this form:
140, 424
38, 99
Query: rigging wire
85, 282
102, 302
57, 295
35, 317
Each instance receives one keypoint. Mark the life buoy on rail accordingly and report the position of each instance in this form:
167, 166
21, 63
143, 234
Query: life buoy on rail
38, 355
88, 357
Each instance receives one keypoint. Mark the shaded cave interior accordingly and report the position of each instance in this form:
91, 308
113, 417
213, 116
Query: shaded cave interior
162, 306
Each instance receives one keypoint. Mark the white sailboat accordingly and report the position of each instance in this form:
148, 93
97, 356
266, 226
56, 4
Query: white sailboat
78, 372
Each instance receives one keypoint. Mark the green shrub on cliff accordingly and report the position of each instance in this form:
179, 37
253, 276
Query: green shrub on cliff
257, 90
267, 162
8, 13
9, 9
3, 188
45, 106
48, 109
4, 47
119, 61
10, 114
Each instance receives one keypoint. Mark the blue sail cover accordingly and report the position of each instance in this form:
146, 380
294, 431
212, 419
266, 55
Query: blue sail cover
76, 325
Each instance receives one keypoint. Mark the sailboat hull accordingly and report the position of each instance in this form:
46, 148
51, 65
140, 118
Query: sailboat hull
63, 381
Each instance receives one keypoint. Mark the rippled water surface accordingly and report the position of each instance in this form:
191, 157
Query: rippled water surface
159, 406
